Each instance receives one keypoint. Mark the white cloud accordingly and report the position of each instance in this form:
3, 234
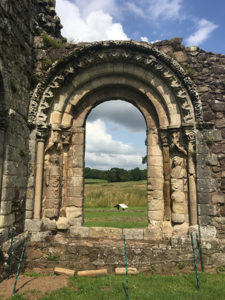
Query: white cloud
132, 7
96, 25
144, 39
103, 152
203, 32
121, 113
99, 141
167, 9
156, 9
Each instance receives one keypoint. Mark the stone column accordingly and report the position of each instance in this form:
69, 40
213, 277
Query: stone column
155, 178
166, 171
39, 179
190, 134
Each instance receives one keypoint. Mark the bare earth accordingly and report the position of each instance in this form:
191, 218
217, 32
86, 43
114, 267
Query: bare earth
32, 288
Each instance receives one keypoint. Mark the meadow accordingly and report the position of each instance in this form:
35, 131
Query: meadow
101, 197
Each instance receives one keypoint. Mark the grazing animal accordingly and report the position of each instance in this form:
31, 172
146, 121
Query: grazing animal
122, 205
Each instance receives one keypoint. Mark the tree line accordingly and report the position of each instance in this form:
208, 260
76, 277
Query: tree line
116, 174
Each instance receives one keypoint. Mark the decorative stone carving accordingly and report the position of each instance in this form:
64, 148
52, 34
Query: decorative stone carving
178, 180
131, 52
166, 170
52, 180
54, 143
175, 143
191, 136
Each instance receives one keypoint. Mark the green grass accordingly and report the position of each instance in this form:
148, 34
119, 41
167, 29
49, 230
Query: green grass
142, 287
133, 217
107, 194
101, 197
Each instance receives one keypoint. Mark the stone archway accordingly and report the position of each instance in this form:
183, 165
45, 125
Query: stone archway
158, 87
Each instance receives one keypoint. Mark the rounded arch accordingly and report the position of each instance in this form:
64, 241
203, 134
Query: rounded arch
98, 72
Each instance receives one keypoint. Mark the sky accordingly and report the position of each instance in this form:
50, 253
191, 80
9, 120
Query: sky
115, 130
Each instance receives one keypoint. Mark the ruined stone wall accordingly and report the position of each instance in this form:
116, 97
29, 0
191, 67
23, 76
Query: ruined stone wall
25, 55
21, 21
207, 71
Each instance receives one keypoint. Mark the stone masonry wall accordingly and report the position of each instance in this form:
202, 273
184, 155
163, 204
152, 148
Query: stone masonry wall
24, 56
207, 71
20, 22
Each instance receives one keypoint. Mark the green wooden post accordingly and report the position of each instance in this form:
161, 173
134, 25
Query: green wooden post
18, 269
11, 252
125, 253
196, 268
200, 248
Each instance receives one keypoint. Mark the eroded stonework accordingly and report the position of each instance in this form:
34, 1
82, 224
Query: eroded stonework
45, 99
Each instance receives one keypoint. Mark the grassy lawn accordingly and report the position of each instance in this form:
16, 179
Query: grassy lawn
133, 217
101, 197
142, 287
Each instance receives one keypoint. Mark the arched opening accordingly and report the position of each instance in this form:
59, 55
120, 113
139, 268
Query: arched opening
163, 93
114, 172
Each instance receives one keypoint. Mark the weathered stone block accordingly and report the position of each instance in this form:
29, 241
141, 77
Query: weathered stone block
204, 220
206, 185
207, 232
155, 215
218, 198
82, 232
29, 203
134, 233
212, 160
7, 220
6, 207
154, 160
203, 171
74, 201
33, 225
152, 233
177, 218
178, 208
122, 271
76, 222
28, 214
206, 209
181, 56
167, 229
75, 181
62, 223
105, 232
155, 204
203, 198
73, 212
180, 229
3, 234
155, 184
40, 236
48, 224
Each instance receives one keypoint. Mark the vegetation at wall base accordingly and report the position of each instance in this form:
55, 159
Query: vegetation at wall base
141, 287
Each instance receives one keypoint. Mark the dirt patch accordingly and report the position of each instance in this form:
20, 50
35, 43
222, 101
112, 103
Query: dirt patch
31, 287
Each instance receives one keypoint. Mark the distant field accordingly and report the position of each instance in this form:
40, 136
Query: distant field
101, 197
100, 193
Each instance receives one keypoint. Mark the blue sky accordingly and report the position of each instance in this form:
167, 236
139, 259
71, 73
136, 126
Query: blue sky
200, 23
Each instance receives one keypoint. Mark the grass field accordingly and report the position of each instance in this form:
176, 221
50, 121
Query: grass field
142, 287
101, 197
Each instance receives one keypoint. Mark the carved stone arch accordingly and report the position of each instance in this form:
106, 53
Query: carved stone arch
137, 73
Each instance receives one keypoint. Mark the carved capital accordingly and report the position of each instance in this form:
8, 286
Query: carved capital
175, 141
42, 132
164, 135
